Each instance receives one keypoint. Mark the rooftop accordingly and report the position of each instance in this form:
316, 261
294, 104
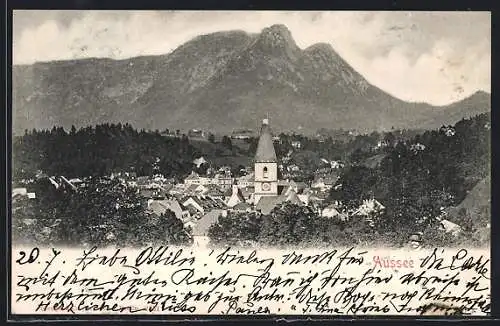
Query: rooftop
265, 148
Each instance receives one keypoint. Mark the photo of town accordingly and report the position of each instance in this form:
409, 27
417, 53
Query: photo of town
251, 129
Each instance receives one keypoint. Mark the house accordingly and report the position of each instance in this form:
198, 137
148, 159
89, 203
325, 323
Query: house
199, 161
214, 192
166, 187
450, 227
223, 180
242, 134
147, 193
196, 133
197, 189
202, 204
324, 181
320, 184
193, 178
242, 207
19, 192
76, 181
368, 207
159, 207
415, 240
330, 179
177, 189
284, 190
331, 211
382, 144
195, 203
292, 198
142, 181
201, 226
336, 165
298, 187
236, 197
318, 196
131, 175
267, 203
296, 144
169, 133
246, 180
191, 213
293, 168
226, 169
247, 192
54, 182
205, 181
68, 183
22, 192
304, 198
153, 192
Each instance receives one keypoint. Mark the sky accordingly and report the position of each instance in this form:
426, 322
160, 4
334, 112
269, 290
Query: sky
433, 57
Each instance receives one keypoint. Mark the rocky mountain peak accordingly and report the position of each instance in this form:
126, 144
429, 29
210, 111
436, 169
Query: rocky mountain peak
277, 40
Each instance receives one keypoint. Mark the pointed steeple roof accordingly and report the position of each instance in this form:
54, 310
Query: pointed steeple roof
265, 148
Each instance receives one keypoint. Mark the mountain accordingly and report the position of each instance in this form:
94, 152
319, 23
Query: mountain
220, 82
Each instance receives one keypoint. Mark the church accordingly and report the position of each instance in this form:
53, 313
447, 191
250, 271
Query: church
265, 165
268, 190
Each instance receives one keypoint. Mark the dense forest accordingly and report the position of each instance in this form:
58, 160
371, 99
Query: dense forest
98, 151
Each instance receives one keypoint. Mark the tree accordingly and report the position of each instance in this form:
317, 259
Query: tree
102, 214
357, 156
236, 229
226, 141
390, 139
358, 183
165, 229
236, 171
289, 225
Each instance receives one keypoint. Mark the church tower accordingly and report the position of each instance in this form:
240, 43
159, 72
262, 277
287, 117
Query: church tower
266, 165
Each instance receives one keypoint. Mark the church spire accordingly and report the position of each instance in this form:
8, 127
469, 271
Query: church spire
265, 148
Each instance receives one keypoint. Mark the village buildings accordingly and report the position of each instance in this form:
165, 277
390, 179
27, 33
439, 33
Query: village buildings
202, 198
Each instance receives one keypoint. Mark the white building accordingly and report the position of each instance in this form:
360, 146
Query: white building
266, 165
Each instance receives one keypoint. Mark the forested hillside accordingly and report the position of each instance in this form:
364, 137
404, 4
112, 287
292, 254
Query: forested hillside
417, 181
99, 151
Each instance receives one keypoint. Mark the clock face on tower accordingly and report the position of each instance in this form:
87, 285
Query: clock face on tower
266, 186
